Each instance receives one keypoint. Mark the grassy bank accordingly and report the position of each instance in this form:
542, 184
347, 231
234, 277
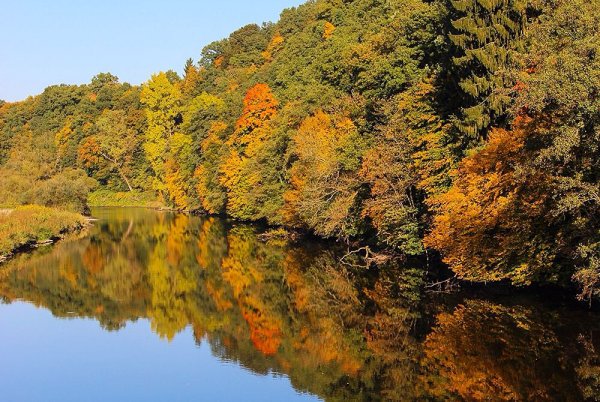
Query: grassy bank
28, 225
106, 198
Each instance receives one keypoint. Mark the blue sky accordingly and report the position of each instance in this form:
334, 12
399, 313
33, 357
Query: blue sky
46, 42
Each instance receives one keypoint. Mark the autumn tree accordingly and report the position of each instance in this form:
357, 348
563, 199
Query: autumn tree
324, 191
162, 100
250, 190
275, 45
115, 143
168, 149
212, 194
486, 226
410, 159
191, 78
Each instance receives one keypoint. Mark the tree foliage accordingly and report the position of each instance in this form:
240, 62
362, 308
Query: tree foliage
488, 35
324, 185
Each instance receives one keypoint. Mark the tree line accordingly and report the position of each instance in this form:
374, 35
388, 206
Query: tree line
468, 128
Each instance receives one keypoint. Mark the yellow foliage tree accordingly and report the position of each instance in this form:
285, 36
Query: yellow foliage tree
324, 186
241, 171
328, 30
275, 45
168, 150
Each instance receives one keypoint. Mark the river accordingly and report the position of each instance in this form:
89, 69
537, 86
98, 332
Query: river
160, 306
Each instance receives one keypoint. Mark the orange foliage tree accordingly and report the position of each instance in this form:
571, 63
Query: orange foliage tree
242, 173
488, 226
260, 106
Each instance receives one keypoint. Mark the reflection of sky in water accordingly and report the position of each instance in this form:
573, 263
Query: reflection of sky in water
48, 359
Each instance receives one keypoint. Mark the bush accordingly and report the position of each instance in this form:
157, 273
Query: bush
66, 190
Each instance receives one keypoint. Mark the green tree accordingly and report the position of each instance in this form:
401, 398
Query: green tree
487, 35
114, 143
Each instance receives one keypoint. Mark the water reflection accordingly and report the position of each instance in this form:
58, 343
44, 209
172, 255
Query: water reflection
340, 332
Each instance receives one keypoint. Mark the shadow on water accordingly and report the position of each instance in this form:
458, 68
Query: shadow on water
338, 331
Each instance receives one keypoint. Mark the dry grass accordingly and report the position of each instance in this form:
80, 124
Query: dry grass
32, 224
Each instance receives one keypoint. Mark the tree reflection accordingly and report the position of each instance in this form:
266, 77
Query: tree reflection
337, 330
486, 351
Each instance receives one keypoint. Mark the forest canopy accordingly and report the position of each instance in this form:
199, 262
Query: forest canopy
464, 129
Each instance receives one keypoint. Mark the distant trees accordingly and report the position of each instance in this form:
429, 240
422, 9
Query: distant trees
54, 141
31, 176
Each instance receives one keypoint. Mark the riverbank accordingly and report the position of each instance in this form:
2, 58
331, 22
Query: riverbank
107, 198
28, 226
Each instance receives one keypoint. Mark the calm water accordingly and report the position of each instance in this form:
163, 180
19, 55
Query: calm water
158, 306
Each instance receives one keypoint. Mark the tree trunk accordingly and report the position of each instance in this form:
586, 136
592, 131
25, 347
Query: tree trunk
118, 167
125, 179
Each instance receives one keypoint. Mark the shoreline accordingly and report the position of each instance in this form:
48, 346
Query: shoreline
29, 247
28, 227
449, 284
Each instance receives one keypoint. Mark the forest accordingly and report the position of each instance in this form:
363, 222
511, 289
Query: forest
464, 132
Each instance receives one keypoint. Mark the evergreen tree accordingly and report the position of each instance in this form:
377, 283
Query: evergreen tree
486, 34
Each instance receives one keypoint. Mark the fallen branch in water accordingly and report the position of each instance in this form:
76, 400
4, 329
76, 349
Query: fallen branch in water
447, 285
370, 258
280, 234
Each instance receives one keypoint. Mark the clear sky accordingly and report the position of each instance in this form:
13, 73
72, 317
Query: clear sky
45, 42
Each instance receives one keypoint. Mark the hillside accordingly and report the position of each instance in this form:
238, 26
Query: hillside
467, 129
